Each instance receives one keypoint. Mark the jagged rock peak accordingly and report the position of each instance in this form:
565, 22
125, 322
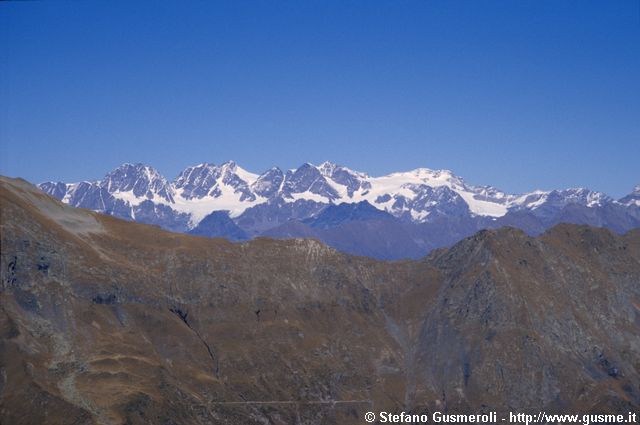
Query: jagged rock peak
140, 180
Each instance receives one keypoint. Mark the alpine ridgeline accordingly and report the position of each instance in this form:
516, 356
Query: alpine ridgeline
401, 215
105, 321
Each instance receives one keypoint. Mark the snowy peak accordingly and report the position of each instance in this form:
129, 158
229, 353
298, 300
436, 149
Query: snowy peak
239, 179
580, 196
56, 189
269, 183
327, 168
198, 181
560, 198
349, 182
307, 182
209, 180
428, 176
632, 199
137, 181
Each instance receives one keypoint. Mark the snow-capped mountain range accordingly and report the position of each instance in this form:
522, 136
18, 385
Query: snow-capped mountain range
257, 203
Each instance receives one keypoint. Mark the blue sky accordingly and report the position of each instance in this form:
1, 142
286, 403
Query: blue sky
517, 94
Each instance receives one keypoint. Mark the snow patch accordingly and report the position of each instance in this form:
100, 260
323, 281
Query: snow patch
310, 196
480, 207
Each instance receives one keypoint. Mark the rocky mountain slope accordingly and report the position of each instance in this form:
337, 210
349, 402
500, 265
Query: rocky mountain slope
105, 321
279, 204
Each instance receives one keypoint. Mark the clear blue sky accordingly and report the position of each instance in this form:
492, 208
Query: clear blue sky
517, 94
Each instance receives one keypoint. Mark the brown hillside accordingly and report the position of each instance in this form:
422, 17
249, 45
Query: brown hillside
111, 322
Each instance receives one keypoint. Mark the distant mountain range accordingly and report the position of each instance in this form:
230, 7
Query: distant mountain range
400, 215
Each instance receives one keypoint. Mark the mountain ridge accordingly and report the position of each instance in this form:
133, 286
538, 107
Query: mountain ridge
258, 203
